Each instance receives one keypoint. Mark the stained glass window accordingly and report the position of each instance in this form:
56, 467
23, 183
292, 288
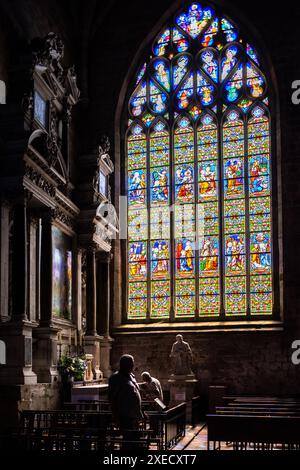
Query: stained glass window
199, 175
62, 274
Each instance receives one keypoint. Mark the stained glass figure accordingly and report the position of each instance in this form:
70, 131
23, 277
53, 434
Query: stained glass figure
228, 61
162, 42
185, 265
229, 30
185, 93
209, 36
209, 63
180, 69
205, 90
162, 73
160, 259
180, 41
159, 185
184, 183
158, 99
137, 188
195, 20
137, 254
138, 100
255, 81
234, 86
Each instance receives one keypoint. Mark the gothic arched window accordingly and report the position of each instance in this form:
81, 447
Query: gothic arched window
199, 175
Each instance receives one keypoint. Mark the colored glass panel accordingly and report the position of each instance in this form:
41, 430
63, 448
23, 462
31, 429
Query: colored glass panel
160, 299
137, 309
158, 99
185, 261
209, 63
138, 100
162, 73
206, 90
233, 87
160, 253
185, 93
229, 60
255, 81
180, 69
180, 41
209, 36
184, 142
184, 220
137, 224
184, 183
136, 148
159, 222
137, 258
159, 185
162, 42
261, 302
185, 298
208, 176
194, 20
159, 146
209, 256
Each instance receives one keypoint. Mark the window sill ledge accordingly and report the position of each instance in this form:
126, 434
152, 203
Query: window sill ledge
200, 327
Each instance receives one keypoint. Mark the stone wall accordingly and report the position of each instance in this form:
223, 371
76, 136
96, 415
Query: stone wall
247, 363
14, 399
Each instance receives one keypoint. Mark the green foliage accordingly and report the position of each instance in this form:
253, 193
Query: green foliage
72, 366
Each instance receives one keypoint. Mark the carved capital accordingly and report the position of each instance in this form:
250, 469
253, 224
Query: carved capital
61, 216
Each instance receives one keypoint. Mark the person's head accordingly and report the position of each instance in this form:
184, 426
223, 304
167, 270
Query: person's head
146, 377
126, 364
179, 338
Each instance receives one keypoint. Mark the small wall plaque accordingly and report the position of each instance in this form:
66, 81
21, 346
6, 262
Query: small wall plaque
28, 351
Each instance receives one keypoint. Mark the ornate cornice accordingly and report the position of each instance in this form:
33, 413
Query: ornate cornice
40, 181
59, 215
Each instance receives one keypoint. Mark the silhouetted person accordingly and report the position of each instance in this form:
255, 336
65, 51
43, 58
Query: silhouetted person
124, 396
151, 388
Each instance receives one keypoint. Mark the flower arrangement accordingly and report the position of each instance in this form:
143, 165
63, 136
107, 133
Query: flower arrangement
72, 366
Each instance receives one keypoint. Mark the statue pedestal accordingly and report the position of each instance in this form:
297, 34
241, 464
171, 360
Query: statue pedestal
182, 389
88, 375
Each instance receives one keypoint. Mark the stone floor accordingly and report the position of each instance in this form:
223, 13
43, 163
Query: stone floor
196, 439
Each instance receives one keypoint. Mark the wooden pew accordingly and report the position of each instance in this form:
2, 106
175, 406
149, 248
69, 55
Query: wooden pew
74, 429
263, 431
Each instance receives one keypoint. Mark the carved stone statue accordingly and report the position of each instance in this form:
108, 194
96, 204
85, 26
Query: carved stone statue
181, 354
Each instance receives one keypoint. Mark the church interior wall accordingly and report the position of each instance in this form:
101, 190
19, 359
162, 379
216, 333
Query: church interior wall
102, 42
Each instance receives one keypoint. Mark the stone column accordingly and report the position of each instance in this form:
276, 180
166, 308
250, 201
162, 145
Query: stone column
4, 267
103, 310
45, 336
32, 268
78, 298
17, 333
20, 263
92, 339
91, 320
